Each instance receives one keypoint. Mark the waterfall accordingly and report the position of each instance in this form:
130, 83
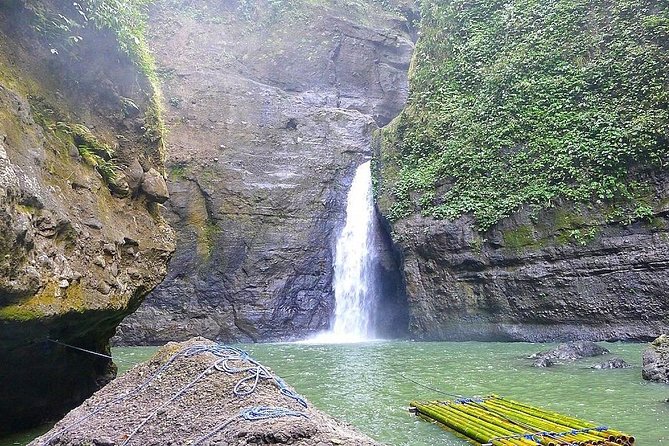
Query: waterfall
352, 265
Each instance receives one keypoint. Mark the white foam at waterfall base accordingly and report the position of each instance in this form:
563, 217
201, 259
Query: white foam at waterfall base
352, 266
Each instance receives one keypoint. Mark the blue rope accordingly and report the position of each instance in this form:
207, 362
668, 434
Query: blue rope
536, 436
253, 414
187, 352
469, 400
266, 412
255, 372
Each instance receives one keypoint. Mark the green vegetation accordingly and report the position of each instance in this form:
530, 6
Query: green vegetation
94, 152
527, 102
127, 20
520, 237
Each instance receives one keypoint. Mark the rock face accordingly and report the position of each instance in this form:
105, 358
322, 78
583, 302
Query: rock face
656, 360
561, 275
74, 257
517, 259
190, 393
267, 125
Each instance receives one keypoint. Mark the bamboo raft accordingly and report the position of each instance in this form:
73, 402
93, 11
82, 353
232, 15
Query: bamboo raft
493, 421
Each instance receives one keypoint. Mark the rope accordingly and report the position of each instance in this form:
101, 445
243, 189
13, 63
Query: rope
255, 372
253, 414
186, 352
453, 395
226, 355
176, 395
74, 347
533, 436
244, 386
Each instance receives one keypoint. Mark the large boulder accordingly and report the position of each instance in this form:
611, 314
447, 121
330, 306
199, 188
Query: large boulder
656, 360
199, 392
155, 187
569, 351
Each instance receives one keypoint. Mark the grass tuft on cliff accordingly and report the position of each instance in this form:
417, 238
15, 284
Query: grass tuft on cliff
524, 102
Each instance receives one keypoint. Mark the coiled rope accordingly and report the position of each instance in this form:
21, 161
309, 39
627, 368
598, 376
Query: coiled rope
254, 373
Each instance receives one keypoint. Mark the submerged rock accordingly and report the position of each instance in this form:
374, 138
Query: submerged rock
570, 351
613, 363
199, 392
544, 362
656, 360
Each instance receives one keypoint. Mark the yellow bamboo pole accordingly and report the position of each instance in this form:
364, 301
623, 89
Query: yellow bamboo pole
577, 423
530, 425
497, 431
542, 423
481, 435
573, 423
495, 418
502, 422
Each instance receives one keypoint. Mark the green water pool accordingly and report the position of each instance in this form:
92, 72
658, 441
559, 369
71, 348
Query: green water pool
370, 385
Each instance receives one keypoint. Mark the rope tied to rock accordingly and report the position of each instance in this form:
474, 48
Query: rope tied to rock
244, 386
253, 414
255, 372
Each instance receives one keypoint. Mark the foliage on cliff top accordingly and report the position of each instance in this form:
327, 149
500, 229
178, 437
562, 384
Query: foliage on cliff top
62, 26
523, 102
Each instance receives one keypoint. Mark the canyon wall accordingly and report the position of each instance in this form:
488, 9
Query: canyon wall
271, 106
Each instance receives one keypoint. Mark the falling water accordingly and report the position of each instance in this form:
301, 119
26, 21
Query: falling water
352, 266
352, 262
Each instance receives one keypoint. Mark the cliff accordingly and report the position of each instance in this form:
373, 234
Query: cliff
270, 108
526, 179
81, 243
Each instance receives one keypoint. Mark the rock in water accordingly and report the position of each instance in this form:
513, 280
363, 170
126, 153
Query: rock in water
544, 362
199, 392
656, 360
613, 363
570, 351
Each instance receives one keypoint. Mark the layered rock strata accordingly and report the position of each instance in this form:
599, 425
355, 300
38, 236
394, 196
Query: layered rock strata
270, 111
566, 274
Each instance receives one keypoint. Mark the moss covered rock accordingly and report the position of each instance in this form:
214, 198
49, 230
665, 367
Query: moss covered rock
74, 257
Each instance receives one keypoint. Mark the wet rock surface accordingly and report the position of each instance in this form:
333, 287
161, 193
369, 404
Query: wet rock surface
184, 395
656, 360
266, 128
568, 352
613, 363
572, 351
529, 279
74, 257
544, 362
